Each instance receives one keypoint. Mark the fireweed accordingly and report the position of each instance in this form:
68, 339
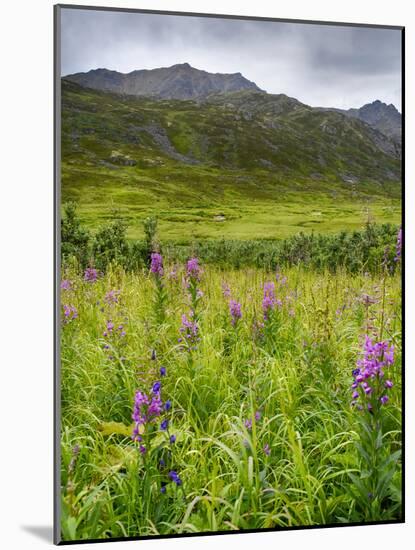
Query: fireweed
114, 338
235, 311
280, 278
70, 313
370, 396
226, 290
189, 330
189, 333
112, 297
172, 275
151, 416
66, 284
268, 327
231, 337
115, 332
90, 275
398, 245
269, 301
157, 270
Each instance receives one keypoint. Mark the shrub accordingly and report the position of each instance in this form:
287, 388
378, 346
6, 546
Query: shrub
74, 238
110, 245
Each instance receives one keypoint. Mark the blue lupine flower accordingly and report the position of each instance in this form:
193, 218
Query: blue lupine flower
156, 387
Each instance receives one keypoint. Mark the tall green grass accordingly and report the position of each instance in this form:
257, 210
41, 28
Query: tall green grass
297, 376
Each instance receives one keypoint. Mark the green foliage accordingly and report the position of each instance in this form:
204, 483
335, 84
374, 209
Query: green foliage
369, 250
74, 237
355, 251
110, 245
150, 232
137, 256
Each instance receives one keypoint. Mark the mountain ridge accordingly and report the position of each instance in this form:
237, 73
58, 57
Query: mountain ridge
179, 81
385, 118
240, 130
183, 82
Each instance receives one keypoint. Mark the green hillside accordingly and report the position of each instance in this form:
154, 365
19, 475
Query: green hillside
240, 165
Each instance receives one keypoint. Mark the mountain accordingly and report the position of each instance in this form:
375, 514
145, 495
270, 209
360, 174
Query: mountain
245, 130
243, 163
385, 118
179, 81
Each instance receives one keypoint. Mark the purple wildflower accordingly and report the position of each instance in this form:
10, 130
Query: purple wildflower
193, 270
173, 273
163, 371
267, 449
140, 400
175, 478
156, 406
269, 301
70, 313
90, 274
189, 331
111, 297
164, 425
167, 405
280, 278
398, 245
384, 399
156, 387
235, 311
172, 439
66, 284
163, 489
157, 264
226, 290
145, 410
370, 367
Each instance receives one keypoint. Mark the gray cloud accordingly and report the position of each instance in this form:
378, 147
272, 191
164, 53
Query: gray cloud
318, 64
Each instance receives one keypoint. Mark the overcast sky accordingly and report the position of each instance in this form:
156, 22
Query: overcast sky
320, 65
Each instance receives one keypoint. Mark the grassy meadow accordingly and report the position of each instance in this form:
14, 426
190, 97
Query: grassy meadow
260, 428
202, 204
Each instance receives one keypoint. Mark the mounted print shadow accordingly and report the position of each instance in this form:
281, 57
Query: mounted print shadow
228, 274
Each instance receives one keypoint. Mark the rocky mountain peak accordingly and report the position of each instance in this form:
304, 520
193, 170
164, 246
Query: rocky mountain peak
180, 81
